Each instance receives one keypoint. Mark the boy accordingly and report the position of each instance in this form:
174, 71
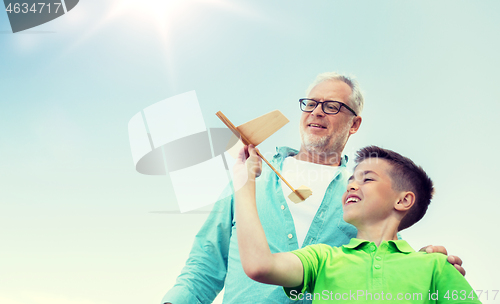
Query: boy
386, 194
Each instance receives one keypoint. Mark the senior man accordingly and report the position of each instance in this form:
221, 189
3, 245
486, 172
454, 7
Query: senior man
330, 116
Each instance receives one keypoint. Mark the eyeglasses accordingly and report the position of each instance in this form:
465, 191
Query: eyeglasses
329, 107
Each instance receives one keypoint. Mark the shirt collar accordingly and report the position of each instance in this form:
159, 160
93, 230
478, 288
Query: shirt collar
343, 161
355, 243
400, 245
284, 152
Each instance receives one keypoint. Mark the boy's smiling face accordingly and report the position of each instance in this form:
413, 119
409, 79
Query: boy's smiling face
370, 198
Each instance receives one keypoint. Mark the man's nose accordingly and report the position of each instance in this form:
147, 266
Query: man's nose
318, 111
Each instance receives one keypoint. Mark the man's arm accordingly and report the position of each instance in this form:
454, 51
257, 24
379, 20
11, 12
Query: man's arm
284, 269
203, 276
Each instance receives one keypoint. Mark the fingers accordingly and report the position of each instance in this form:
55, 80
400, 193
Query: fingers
424, 249
435, 249
453, 259
252, 151
256, 166
457, 262
242, 154
247, 151
460, 269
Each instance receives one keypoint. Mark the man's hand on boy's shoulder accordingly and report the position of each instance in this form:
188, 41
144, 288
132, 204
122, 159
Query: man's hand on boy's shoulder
452, 259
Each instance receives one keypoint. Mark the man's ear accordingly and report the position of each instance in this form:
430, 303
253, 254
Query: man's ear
405, 202
356, 122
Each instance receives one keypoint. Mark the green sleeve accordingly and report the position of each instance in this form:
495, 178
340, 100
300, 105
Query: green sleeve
311, 257
452, 287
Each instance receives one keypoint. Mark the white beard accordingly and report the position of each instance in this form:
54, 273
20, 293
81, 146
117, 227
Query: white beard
314, 143
327, 144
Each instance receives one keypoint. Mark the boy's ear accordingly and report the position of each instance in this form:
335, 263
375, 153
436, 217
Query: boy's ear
405, 202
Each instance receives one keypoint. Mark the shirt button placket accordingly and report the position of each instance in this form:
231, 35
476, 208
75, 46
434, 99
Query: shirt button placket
377, 269
377, 258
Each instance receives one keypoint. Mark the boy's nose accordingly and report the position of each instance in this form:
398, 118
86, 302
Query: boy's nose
352, 186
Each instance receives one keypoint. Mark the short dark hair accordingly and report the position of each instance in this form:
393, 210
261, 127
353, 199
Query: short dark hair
406, 176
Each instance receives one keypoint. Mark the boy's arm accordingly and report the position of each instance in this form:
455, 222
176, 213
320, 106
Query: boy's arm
452, 287
284, 269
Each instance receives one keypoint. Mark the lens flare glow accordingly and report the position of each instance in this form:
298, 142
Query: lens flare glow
159, 14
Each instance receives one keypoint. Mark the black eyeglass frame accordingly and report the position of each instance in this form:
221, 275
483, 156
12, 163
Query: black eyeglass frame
301, 101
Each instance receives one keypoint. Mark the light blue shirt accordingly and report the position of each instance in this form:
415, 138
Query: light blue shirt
214, 261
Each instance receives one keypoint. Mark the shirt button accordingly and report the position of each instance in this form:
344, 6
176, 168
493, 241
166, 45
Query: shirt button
377, 266
290, 236
282, 207
378, 258
372, 248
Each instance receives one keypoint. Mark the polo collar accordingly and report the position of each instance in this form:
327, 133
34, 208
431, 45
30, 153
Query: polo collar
354, 243
400, 245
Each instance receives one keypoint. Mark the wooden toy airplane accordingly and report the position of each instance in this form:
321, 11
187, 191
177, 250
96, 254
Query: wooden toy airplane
256, 131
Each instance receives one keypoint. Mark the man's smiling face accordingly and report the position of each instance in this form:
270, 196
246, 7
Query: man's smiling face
321, 132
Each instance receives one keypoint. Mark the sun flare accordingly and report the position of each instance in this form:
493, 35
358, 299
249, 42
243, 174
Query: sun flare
159, 14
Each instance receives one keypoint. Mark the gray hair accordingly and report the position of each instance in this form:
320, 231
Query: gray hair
356, 97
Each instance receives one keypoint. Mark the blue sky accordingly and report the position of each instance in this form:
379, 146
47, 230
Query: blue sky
81, 226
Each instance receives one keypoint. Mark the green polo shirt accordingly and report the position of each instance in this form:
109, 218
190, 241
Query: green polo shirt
360, 272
